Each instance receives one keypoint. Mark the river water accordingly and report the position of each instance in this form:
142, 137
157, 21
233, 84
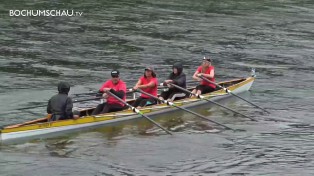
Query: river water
273, 36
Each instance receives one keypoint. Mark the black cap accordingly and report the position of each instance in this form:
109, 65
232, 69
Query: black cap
207, 58
115, 73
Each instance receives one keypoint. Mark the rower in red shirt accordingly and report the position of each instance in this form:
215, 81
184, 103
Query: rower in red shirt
208, 71
116, 86
148, 83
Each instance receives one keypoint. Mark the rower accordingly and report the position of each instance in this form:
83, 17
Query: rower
148, 83
176, 77
208, 71
116, 86
60, 105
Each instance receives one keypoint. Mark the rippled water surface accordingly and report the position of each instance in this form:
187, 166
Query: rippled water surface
275, 37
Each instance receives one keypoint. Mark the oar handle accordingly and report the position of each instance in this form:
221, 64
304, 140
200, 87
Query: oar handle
76, 101
153, 96
119, 99
187, 91
183, 89
209, 81
150, 95
29, 107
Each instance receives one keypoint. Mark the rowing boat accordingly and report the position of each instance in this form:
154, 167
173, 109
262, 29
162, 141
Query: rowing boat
42, 127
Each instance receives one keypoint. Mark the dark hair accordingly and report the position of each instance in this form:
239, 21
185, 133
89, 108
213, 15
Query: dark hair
153, 74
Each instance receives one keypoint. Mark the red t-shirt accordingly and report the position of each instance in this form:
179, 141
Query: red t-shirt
151, 90
117, 87
210, 68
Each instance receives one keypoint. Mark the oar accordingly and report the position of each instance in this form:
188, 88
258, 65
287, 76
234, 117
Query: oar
38, 106
184, 109
138, 112
87, 93
203, 98
88, 99
231, 93
30, 122
95, 92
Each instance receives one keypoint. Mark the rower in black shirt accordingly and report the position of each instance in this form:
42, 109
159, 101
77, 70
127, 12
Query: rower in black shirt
60, 105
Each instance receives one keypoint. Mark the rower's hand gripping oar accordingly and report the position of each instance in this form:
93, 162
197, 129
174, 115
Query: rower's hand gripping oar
138, 112
172, 104
218, 104
231, 93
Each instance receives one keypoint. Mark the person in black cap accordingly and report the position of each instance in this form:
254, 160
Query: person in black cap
116, 86
208, 71
176, 77
60, 105
148, 83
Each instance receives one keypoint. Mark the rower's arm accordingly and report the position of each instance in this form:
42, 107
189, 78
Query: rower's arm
195, 76
139, 82
119, 93
149, 85
105, 85
181, 81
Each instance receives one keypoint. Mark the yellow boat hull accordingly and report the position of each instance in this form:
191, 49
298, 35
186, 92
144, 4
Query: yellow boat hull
30, 130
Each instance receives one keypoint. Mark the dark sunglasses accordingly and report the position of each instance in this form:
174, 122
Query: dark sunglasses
115, 76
